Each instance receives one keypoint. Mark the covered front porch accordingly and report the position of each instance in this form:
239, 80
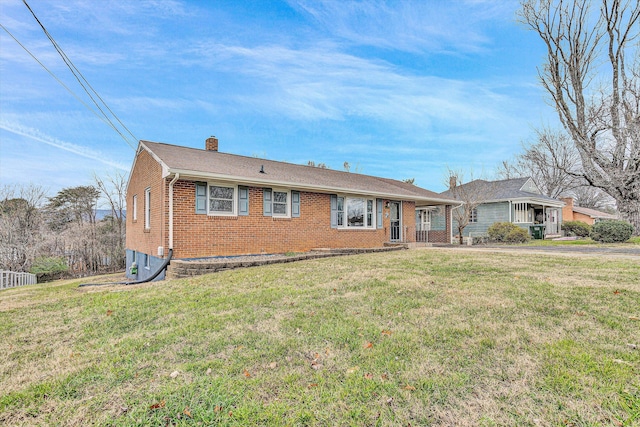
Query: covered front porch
530, 213
433, 224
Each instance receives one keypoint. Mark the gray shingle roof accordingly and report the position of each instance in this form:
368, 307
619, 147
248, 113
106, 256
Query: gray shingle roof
593, 213
506, 189
192, 162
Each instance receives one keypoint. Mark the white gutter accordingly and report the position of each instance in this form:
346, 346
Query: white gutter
306, 187
173, 181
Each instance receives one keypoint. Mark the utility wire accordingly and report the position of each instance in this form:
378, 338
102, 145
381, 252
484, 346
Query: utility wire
84, 83
87, 106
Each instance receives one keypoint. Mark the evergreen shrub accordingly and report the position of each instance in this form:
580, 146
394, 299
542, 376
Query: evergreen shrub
49, 268
576, 228
506, 232
611, 231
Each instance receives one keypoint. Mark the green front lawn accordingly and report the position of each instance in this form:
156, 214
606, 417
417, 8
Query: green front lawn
422, 337
581, 241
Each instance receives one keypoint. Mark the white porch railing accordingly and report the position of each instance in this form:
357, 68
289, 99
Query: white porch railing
12, 279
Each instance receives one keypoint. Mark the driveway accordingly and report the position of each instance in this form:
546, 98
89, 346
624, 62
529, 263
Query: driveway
630, 251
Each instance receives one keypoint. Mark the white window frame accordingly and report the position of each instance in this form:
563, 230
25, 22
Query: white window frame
147, 208
473, 216
147, 261
135, 207
234, 202
425, 219
521, 213
345, 213
287, 213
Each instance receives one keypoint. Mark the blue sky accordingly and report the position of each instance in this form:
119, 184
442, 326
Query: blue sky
398, 89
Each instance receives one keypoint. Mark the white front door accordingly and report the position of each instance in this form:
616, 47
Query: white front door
551, 221
424, 220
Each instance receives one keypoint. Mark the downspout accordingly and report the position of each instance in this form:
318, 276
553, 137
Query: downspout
173, 181
510, 211
451, 223
166, 262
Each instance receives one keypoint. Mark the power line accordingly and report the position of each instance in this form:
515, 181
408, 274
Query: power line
84, 83
56, 77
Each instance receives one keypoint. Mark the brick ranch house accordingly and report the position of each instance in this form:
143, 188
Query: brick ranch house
205, 203
571, 212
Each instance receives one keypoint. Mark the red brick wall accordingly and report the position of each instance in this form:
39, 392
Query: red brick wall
568, 214
408, 222
577, 216
147, 173
198, 235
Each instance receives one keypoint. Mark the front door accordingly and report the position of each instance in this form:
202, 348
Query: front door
396, 223
551, 222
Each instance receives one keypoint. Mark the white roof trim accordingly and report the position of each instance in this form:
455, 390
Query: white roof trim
187, 174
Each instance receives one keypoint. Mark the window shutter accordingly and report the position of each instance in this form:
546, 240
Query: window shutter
334, 211
243, 201
295, 204
379, 212
201, 198
266, 202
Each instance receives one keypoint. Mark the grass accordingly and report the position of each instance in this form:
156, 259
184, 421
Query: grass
423, 337
632, 242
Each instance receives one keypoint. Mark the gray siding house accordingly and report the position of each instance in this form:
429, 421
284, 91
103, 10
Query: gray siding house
518, 201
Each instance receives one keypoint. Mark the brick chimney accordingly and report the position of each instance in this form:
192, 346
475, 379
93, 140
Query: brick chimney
453, 180
568, 201
567, 210
211, 144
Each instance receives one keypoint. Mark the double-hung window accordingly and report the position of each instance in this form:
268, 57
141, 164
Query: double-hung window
135, 207
473, 215
280, 203
147, 208
221, 200
354, 212
340, 212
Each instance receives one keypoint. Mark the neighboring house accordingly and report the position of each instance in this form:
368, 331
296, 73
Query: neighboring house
204, 203
511, 200
577, 213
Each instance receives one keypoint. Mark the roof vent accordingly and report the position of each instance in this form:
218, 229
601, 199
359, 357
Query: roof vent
262, 169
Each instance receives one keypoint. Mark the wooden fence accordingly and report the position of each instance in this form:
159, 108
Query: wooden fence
12, 279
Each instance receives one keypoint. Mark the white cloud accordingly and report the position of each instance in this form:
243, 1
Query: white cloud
79, 150
321, 83
412, 26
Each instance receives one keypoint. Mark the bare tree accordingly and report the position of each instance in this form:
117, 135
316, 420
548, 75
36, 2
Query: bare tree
552, 162
317, 165
602, 118
20, 226
591, 197
72, 215
113, 189
472, 195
